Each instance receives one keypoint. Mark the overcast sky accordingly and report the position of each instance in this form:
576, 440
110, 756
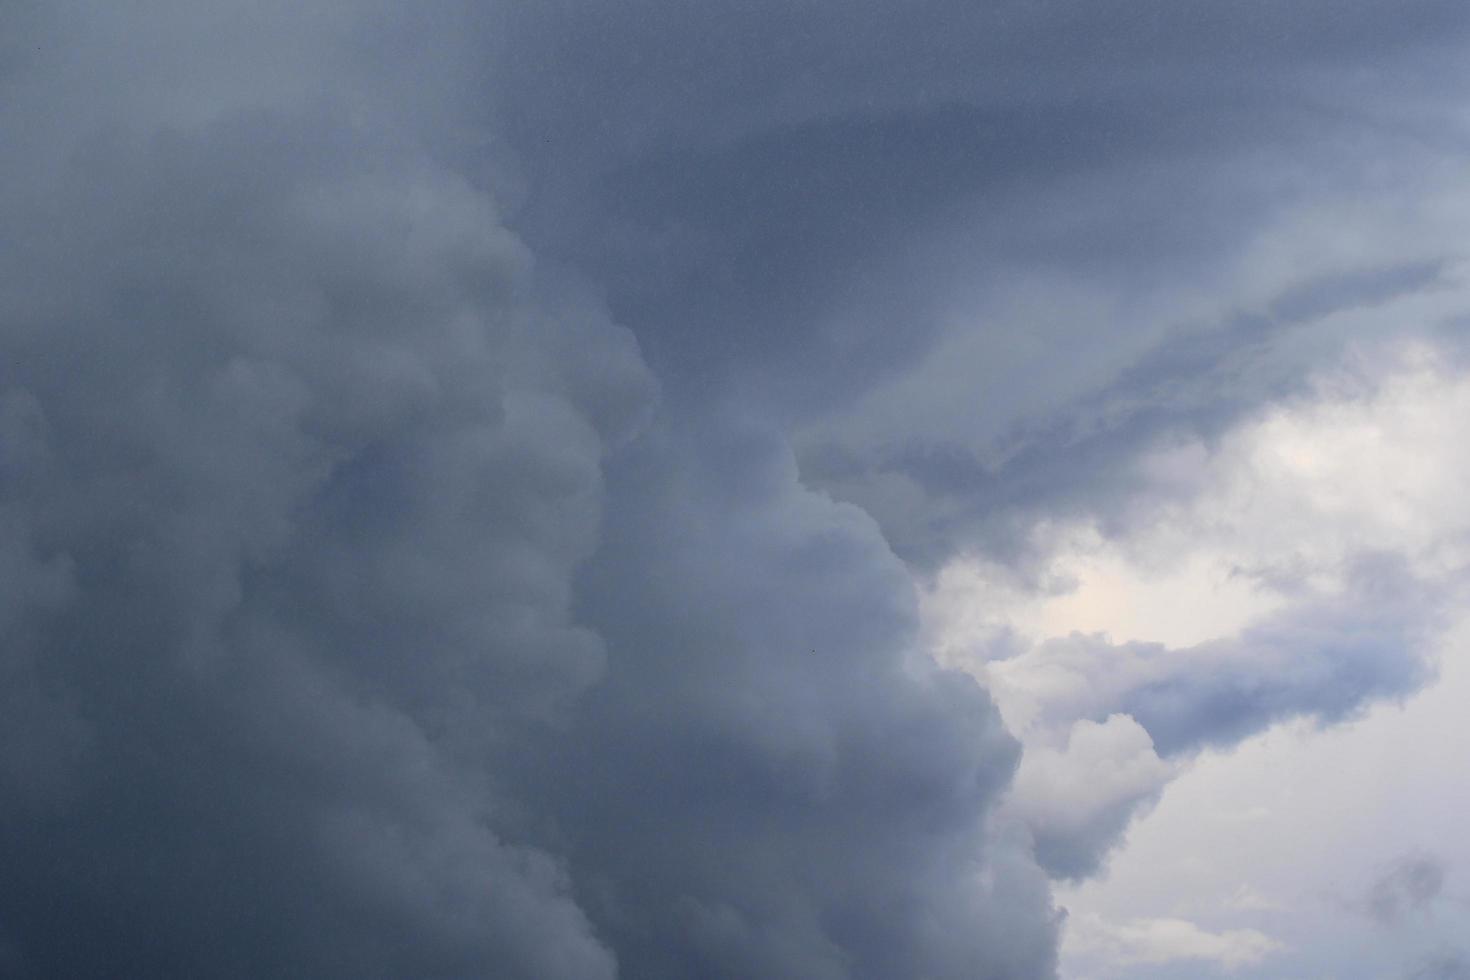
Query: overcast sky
759, 488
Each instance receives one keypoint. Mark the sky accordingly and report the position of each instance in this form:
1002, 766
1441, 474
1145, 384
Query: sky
760, 488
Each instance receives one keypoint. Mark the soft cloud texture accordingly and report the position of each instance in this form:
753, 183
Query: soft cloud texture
1078, 798
475, 478
331, 649
271, 608
1278, 835
1308, 561
1409, 886
1148, 942
771, 766
1103, 719
1445, 966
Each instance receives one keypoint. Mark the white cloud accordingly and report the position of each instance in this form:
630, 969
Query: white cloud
1373, 461
1165, 940
1250, 579
1077, 796
1292, 829
1090, 585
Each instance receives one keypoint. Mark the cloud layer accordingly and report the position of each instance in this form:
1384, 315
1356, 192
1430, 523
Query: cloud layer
305, 460
468, 474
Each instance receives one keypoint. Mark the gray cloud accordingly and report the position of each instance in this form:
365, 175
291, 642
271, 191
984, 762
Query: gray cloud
1409, 886
654, 72
981, 492
303, 453
794, 205
303, 477
1077, 800
1444, 966
1324, 660
373, 604
805, 802
296, 471
1143, 704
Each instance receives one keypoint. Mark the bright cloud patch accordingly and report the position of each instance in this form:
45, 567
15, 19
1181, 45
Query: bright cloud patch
1374, 462
1158, 941
1298, 567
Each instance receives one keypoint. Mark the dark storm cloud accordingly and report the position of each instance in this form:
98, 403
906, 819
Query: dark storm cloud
643, 72
364, 612
1077, 461
793, 203
784, 136
788, 236
295, 473
978, 259
800, 789
295, 477
302, 451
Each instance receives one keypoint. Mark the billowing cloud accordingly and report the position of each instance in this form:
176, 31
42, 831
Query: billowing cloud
471, 475
976, 259
1078, 798
1103, 721
296, 473
1302, 566
1321, 661
361, 615
771, 764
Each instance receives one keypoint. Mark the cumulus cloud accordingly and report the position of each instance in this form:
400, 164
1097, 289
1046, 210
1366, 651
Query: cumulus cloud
1078, 798
1107, 725
1307, 562
296, 473
465, 471
358, 620
1323, 661
797, 784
